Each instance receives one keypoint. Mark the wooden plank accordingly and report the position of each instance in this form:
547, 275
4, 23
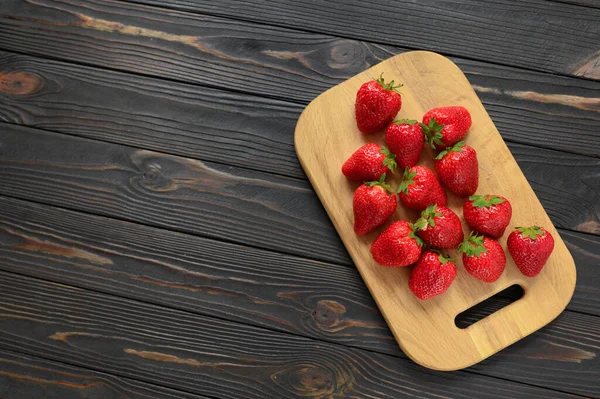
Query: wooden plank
198, 122
177, 193
326, 132
255, 132
251, 286
284, 63
27, 377
233, 204
534, 34
585, 3
214, 357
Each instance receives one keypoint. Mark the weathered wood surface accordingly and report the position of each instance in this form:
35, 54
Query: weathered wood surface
26, 377
242, 131
235, 204
534, 34
265, 289
255, 132
214, 357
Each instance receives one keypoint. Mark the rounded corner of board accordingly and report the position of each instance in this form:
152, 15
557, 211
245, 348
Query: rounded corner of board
446, 366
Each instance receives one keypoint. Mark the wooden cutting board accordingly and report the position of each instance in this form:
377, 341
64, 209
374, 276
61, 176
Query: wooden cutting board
326, 135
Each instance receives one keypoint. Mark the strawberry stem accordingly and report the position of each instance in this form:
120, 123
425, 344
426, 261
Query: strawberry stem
532, 232
413, 234
473, 245
405, 122
388, 86
433, 133
407, 181
380, 183
429, 214
390, 159
458, 147
486, 201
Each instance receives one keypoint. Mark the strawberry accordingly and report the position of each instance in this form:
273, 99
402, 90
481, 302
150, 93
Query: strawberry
432, 275
397, 246
377, 103
487, 214
405, 138
440, 227
419, 188
483, 257
368, 163
374, 203
446, 126
530, 248
458, 169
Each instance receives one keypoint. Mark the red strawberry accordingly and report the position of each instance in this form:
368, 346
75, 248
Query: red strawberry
487, 214
368, 163
420, 188
458, 169
397, 246
377, 103
483, 257
432, 275
374, 203
446, 126
405, 139
440, 227
530, 247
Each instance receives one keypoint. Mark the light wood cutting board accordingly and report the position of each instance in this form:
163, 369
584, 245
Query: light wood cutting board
326, 135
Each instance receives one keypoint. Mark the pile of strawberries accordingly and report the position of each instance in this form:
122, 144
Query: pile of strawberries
405, 243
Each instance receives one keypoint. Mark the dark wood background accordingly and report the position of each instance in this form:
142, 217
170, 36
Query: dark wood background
158, 237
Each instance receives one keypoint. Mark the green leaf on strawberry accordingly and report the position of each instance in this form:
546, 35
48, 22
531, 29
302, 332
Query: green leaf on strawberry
388, 86
486, 201
429, 214
473, 245
433, 132
407, 181
380, 183
405, 122
532, 232
458, 147
390, 159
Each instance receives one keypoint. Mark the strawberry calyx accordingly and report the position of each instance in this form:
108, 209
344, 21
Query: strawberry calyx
413, 234
388, 86
443, 259
486, 201
405, 121
390, 159
429, 214
458, 147
433, 132
380, 183
531, 232
473, 245
407, 181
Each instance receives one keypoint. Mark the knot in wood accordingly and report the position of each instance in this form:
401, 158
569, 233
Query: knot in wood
345, 53
328, 314
306, 380
20, 83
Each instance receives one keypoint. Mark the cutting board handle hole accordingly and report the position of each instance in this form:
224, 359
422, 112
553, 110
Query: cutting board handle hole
491, 305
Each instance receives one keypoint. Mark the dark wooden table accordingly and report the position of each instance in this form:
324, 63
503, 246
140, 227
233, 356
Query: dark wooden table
158, 237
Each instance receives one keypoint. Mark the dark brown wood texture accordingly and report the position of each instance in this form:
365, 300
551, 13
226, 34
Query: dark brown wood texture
535, 34
266, 289
24, 377
255, 132
211, 356
261, 209
185, 148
